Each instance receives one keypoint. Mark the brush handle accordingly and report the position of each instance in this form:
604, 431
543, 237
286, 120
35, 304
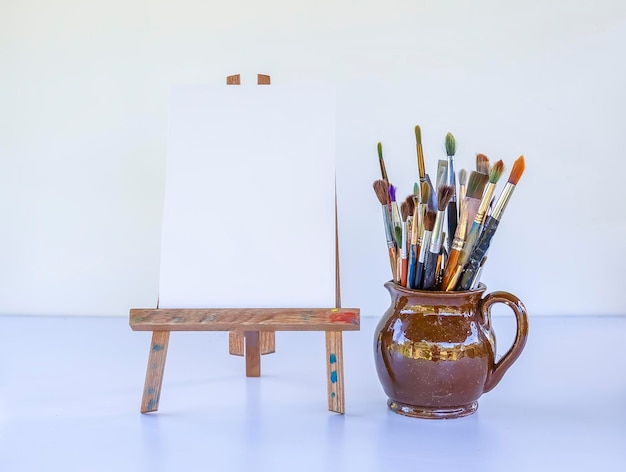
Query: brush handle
470, 242
430, 267
478, 253
405, 271
450, 269
393, 261
410, 281
452, 222
419, 276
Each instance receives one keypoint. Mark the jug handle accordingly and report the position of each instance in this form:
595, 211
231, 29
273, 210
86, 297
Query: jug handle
521, 316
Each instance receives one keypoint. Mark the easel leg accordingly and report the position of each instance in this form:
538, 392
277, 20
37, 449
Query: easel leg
334, 369
154, 373
235, 343
253, 354
268, 342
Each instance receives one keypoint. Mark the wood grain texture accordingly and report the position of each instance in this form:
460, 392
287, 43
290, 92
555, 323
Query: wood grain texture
154, 373
253, 354
245, 319
268, 342
235, 343
334, 370
233, 79
262, 79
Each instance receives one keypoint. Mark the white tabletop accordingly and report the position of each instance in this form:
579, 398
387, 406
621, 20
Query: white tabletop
70, 391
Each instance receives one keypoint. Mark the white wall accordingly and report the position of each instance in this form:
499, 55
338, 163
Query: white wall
83, 97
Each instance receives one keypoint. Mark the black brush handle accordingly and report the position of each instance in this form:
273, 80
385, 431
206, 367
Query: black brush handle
479, 251
419, 276
452, 223
429, 270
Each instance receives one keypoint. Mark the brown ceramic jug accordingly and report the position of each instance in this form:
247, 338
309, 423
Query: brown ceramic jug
435, 351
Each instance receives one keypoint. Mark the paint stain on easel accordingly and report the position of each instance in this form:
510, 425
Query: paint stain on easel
157, 347
347, 317
333, 376
333, 358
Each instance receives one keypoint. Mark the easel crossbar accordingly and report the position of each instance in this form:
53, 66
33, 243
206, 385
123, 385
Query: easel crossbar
245, 319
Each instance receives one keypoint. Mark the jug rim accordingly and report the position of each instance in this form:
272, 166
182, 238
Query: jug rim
391, 285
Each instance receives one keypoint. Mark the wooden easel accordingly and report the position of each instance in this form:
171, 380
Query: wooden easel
251, 330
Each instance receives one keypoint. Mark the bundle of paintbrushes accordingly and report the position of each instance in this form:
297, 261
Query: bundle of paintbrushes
439, 237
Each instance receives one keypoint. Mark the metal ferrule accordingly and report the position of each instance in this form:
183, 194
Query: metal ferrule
452, 176
484, 203
403, 251
387, 224
503, 200
435, 239
424, 247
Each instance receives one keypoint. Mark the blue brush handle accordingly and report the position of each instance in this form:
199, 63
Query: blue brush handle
484, 240
410, 281
429, 270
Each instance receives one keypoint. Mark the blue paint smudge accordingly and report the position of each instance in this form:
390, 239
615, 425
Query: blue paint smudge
333, 394
333, 376
157, 348
151, 404
151, 390
333, 358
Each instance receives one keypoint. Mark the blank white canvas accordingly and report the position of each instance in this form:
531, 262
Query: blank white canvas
249, 215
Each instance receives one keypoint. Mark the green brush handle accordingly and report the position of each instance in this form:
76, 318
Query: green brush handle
478, 253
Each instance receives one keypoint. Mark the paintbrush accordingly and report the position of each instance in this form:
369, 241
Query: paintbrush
450, 143
418, 231
491, 225
432, 200
442, 173
404, 264
462, 188
395, 214
475, 189
457, 245
429, 223
444, 194
421, 169
494, 175
381, 161
381, 188
482, 164
409, 220
471, 203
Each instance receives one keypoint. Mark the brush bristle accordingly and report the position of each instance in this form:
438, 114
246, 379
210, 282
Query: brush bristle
429, 220
404, 210
518, 169
450, 145
462, 177
410, 201
496, 172
444, 195
382, 191
416, 188
482, 163
476, 184
418, 135
379, 147
425, 192
392, 193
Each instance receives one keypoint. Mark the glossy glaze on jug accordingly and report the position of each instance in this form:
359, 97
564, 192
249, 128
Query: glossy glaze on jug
435, 351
